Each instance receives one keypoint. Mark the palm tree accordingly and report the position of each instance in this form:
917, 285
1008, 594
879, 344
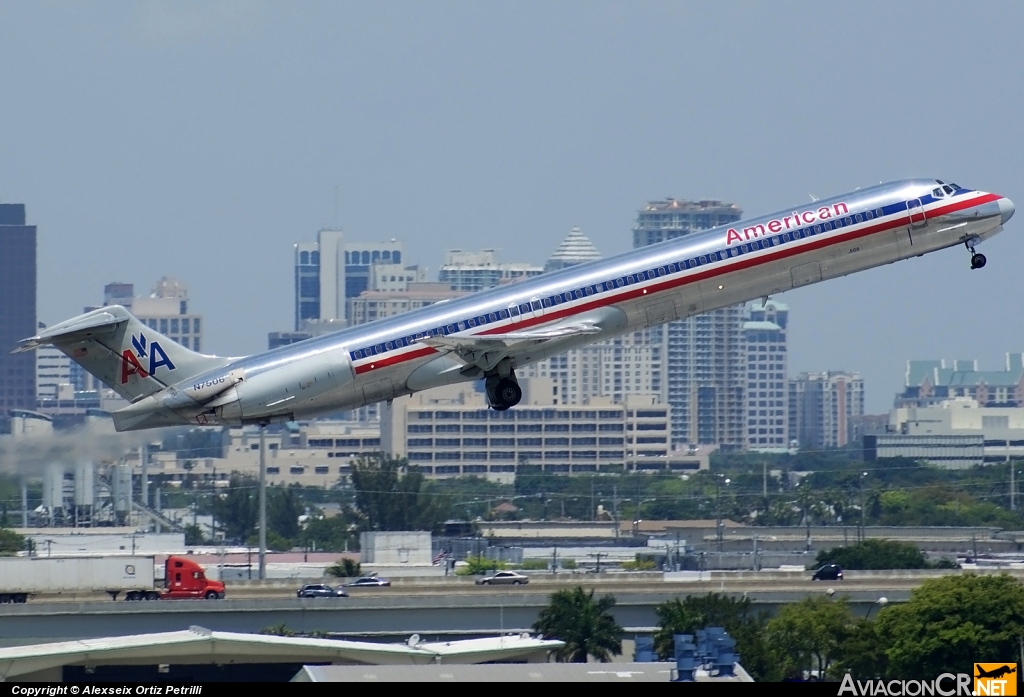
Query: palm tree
585, 625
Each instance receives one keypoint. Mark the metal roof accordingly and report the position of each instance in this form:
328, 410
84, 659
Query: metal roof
510, 673
201, 645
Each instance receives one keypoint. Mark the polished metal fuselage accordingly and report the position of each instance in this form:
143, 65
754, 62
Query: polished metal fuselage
652, 285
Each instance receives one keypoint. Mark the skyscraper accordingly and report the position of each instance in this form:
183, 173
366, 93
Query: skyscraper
575, 249
764, 333
330, 271
17, 308
470, 272
821, 406
704, 355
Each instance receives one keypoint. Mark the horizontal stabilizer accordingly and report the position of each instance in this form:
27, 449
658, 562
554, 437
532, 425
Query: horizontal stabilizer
76, 329
131, 358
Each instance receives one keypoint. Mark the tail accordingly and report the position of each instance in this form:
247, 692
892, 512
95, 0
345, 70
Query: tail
130, 358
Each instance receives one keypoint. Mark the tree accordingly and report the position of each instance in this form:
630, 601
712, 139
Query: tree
861, 653
344, 568
391, 496
238, 510
193, 535
11, 543
480, 565
950, 622
283, 511
736, 616
334, 534
585, 625
874, 554
809, 635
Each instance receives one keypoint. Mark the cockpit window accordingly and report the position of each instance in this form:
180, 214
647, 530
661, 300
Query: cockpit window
937, 193
948, 189
939, 182
956, 186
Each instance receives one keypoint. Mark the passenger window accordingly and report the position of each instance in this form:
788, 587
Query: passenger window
879, 212
546, 302
390, 345
472, 323
537, 304
858, 217
514, 311
524, 308
503, 314
356, 355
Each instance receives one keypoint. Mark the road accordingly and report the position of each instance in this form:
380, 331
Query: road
453, 608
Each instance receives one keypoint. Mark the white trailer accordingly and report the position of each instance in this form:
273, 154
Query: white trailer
21, 577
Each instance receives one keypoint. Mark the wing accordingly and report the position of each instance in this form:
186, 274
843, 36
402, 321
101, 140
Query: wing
486, 351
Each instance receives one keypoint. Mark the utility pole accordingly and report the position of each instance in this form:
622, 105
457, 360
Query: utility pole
263, 502
764, 479
1013, 487
145, 474
554, 560
593, 503
615, 508
636, 518
862, 531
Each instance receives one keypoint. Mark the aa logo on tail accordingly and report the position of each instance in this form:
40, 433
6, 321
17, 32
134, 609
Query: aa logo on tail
995, 679
148, 351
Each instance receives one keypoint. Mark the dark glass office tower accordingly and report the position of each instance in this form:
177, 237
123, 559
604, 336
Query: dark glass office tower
17, 308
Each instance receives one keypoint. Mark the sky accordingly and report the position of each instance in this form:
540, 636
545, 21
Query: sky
202, 140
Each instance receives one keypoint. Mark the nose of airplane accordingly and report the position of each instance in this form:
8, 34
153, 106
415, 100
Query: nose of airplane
1006, 209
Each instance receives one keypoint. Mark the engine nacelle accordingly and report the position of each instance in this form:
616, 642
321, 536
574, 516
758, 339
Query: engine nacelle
276, 391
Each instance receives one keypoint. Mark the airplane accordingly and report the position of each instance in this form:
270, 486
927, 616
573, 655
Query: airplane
487, 335
996, 672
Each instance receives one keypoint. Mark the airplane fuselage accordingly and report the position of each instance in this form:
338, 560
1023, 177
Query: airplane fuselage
678, 278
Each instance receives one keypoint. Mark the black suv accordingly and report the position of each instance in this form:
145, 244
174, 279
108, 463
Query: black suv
829, 572
320, 590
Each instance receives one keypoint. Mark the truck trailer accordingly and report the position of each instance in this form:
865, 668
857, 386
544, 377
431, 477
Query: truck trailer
24, 577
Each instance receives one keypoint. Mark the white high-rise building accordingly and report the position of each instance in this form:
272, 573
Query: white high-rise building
53, 369
764, 331
575, 249
165, 309
473, 271
331, 271
704, 358
614, 369
821, 406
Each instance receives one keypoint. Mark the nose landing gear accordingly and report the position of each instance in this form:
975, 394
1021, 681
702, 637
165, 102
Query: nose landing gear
978, 260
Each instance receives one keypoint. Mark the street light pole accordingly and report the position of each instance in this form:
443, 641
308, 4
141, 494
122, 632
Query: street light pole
718, 506
263, 502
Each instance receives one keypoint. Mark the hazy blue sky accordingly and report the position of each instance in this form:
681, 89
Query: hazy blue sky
203, 139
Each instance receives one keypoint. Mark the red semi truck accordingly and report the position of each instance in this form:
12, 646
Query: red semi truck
23, 577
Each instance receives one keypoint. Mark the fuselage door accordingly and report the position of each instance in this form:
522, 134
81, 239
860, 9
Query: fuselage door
916, 213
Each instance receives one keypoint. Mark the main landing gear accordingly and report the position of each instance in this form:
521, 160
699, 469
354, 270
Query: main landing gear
503, 393
978, 260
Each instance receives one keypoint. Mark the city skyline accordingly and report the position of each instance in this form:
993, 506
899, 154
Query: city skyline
462, 126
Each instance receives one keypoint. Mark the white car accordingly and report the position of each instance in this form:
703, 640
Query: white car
508, 578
